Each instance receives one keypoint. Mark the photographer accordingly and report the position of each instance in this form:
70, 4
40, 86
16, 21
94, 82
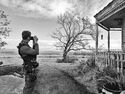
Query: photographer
29, 54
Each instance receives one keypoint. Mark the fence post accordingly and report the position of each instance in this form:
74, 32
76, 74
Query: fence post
118, 62
108, 63
97, 34
121, 59
105, 59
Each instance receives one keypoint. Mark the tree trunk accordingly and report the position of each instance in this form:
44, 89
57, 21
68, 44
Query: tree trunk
10, 69
64, 57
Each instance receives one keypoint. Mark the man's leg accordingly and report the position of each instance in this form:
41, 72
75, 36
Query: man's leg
29, 85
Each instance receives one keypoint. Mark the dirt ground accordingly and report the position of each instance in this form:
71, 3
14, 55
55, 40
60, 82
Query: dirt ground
11, 84
52, 79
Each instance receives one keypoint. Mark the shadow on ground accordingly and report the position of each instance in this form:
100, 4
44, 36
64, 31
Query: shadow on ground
54, 81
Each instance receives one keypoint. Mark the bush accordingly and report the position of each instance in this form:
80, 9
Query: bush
1, 62
107, 71
86, 74
110, 77
68, 60
59, 61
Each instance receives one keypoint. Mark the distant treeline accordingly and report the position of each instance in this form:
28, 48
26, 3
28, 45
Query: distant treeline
83, 53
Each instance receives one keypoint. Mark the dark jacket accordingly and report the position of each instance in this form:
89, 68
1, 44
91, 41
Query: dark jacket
27, 53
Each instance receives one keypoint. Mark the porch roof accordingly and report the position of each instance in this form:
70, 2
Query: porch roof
111, 16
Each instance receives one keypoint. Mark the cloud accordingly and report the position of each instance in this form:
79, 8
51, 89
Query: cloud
60, 7
90, 7
53, 8
38, 8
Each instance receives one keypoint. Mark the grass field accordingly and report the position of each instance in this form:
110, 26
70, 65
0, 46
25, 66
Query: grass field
14, 85
12, 56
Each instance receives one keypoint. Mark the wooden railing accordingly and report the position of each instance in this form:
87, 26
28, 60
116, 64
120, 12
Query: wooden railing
115, 59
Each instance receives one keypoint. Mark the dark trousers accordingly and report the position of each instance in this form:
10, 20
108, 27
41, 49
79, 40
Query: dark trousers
29, 83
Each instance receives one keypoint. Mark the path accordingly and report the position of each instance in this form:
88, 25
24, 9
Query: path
52, 80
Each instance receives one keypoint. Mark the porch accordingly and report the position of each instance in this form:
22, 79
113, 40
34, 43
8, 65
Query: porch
112, 18
115, 59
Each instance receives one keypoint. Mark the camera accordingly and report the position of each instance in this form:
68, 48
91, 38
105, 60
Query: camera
31, 38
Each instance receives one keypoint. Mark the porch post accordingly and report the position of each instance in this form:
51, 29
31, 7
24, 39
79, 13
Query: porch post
109, 40
123, 46
123, 34
97, 33
108, 47
96, 44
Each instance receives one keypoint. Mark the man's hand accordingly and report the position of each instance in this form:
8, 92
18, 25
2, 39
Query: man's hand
35, 39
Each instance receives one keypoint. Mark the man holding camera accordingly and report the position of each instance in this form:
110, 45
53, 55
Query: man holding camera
29, 54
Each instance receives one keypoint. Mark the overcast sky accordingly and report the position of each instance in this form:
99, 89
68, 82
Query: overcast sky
39, 16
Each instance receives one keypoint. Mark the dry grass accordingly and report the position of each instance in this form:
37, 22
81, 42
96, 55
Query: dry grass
81, 72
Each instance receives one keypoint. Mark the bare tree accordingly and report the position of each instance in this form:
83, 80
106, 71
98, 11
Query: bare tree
72, 33
4, 32
4, 29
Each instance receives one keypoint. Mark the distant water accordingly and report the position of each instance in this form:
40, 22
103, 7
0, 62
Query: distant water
9, 56
14, 53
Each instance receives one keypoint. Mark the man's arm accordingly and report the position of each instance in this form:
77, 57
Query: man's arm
30, 51
35, 44
36, 47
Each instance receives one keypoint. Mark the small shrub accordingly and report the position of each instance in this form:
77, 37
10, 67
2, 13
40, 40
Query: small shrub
86, 74
86, 66
107, 71
71, 60
59, 60
91, 62
110, 79
1, 62
68, 60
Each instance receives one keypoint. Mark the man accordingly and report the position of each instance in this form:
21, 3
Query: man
28, 55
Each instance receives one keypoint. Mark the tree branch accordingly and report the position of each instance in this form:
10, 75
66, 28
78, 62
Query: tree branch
10, 70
